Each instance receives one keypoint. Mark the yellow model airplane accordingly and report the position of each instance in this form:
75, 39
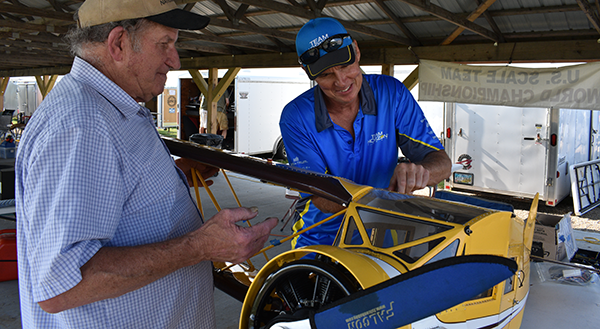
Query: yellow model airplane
384, 238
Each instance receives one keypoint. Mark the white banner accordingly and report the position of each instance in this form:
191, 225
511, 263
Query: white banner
573, 87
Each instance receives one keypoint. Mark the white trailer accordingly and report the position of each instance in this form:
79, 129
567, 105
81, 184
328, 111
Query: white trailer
259, 101
22, 97
256, 101
518, 151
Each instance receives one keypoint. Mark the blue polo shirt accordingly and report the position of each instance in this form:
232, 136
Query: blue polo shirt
388, 118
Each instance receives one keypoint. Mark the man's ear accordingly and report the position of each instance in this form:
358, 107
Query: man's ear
117, 40
356, 50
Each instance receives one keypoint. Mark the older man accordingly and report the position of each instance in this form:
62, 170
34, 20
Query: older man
108, 234
351, 125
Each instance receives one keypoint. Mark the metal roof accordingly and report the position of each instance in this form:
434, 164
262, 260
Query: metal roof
260, 33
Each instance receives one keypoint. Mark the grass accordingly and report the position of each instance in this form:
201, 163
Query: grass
168, 132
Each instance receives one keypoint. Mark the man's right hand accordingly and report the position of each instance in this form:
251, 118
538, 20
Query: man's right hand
114, 271
221, 239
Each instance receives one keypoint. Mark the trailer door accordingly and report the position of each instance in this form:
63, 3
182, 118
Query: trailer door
502, 149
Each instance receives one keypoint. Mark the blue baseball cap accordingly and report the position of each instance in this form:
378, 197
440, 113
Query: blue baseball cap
313, 34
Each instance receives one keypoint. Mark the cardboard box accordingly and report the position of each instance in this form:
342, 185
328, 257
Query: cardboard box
553, 237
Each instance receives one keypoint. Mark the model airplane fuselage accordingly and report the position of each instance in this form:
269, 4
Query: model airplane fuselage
385, 234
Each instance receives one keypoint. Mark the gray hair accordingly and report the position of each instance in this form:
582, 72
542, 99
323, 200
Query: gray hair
77, 38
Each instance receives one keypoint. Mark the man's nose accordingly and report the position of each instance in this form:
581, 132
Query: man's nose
173, 59
339, 75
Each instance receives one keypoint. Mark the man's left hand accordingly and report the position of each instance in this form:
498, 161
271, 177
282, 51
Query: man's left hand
205, 170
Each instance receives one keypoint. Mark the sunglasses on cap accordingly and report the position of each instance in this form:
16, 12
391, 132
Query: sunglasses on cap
333, 43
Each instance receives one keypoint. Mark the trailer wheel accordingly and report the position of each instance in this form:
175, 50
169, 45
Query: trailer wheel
280, 152
296, 288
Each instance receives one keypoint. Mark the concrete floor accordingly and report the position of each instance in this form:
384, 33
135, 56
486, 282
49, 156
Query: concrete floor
558, 305
550, 304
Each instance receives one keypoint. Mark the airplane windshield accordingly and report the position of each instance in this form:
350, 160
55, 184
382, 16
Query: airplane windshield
386, 230
421, 206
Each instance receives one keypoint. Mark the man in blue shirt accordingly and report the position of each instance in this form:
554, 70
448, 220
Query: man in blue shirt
108, 234
351, 125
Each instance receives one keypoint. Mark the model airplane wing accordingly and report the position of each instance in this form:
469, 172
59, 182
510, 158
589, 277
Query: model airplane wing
325, 186
412, 296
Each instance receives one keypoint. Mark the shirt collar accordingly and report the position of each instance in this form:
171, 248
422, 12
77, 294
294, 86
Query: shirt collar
367, 103
88, 74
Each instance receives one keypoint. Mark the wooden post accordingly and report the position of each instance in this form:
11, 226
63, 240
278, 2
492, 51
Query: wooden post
203, 87
3, 85
412, 79
212, 91
387, 69
45, 83
211, 118
217, 91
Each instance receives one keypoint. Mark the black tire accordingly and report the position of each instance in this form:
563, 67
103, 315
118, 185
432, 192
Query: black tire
280, 152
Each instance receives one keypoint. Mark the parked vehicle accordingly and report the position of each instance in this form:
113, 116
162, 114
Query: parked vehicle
518, 151
258, 105
256, 102
23, 97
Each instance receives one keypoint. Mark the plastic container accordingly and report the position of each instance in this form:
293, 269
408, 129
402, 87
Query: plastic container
8, 152
8, 255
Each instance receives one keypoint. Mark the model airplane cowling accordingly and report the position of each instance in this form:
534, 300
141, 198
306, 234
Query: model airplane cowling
383, 234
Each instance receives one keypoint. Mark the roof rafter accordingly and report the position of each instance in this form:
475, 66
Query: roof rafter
34, 27
398, 22
227, 41
238, 35
24, 10
300, 12
446, 15
235, 15
471, 18
590, 13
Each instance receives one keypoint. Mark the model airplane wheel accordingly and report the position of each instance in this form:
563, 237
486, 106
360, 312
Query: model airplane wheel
296, 288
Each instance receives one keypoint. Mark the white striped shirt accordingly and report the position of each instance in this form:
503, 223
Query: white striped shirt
92, 171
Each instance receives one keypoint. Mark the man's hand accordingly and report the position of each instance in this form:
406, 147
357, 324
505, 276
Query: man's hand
409, 177
114, 271
205, 170
221, 239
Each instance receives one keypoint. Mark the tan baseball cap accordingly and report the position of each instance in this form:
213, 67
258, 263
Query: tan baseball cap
165, 12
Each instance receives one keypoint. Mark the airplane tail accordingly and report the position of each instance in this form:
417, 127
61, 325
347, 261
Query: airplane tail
530, 224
